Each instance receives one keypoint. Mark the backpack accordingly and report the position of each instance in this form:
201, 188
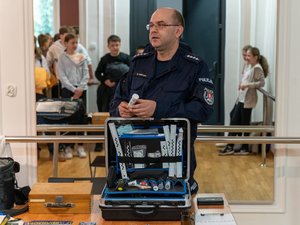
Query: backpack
116, 70
7, 182
10, 193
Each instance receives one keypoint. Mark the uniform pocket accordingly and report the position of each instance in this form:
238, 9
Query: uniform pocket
176, 87
176, 92
138, 84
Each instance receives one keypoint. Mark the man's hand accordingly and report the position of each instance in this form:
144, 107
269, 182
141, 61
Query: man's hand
143, 108
244, 86
90, 81
91, 75
77, 93
109, 83
124, 111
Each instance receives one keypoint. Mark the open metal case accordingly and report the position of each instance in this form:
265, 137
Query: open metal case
147, 163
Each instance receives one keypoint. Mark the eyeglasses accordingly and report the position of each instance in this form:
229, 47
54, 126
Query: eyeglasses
159, 26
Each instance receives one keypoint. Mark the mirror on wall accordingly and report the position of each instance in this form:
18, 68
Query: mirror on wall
250, 22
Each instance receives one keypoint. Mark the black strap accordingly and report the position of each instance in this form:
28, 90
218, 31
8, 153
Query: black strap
15, 212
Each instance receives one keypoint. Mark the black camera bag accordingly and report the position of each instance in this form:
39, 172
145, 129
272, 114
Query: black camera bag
7, 183
10, 193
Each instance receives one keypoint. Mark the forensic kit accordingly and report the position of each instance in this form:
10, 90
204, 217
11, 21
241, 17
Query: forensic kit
148, 167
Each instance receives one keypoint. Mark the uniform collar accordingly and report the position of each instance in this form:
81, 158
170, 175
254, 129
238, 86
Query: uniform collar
172, 66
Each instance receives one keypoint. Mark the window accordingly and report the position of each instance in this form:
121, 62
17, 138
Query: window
43, 17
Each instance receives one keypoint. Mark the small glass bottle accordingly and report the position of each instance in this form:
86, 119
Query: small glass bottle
187, 218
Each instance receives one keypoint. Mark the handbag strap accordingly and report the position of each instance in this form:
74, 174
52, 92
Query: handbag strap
5, 150
2, 145
16, 211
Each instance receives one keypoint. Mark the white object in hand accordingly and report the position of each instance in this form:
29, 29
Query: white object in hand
133, 99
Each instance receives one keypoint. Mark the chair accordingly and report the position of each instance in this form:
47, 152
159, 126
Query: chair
98, 118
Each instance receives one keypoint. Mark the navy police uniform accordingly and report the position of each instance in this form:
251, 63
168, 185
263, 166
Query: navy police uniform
182, 89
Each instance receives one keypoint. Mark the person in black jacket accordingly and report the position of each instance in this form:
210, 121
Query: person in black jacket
171, 81
109, 71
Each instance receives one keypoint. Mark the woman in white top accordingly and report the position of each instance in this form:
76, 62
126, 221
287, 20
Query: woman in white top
41, 72
73, 75
253, 77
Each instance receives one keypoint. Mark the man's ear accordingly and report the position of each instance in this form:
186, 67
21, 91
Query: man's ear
179, 31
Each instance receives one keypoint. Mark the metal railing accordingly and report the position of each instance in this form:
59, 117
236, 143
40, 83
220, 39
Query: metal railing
70, 128
200, 129
58, 138
94, 139
266, 94
268, 100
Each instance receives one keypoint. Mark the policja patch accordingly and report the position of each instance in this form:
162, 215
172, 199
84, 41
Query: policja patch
208, 96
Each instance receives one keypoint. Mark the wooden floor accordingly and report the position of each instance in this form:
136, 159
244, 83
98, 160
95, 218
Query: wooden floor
239, 177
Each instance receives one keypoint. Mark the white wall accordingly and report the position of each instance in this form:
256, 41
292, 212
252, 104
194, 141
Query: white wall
263, 36
101, 18
16, 67
122, 22
233, 45
90, 31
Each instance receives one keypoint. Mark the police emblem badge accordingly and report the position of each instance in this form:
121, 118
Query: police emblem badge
208, 96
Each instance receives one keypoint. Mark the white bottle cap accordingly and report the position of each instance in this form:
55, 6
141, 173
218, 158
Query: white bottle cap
133, 100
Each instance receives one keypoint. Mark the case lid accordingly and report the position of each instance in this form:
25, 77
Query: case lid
138, 147
65, 189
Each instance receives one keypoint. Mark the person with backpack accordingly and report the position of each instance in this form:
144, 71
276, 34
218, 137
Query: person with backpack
110, 69
73, 75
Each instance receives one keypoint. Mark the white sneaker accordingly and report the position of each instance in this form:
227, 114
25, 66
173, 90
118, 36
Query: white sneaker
61, 156
237, 147
80, 151
68, 152
220, 145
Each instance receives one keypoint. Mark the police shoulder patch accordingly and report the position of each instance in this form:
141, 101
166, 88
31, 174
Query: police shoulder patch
208, 96
192, 58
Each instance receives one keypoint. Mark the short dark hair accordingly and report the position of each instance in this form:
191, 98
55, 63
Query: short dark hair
113, 38
63, 30
140, 47
42, 39
69, 37
178, 18
76, 29
56, 37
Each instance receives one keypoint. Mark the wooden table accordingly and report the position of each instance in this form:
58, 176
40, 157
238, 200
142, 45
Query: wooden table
95, 216
218, 215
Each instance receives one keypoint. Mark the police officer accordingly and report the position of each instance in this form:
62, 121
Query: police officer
170, 81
